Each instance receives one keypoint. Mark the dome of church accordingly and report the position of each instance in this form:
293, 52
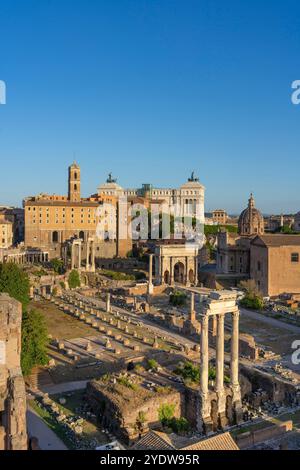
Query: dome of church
251, 221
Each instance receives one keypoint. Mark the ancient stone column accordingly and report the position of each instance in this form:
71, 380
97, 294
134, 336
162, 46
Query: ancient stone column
87, 255
220, 354
234, 367
108, 302
171, 271
235, 349
72, 256
150, 284
162, 280
186, 272
205, 406
220, 371
204, 357
196, 271
93, 267
79, 255
192, 308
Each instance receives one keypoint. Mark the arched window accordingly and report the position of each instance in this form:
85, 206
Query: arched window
75, 187
55, 237
75, 175
81, 235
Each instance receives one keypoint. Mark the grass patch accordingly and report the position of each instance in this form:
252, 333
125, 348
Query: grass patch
52, 424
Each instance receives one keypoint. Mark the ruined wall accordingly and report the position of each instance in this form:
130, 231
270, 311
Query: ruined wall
13, 435
277, 390
122, 419
249, 439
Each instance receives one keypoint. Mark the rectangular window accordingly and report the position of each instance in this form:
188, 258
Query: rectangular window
295, 257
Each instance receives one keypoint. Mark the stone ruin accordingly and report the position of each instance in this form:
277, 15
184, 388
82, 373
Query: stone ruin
13, 434
219, 405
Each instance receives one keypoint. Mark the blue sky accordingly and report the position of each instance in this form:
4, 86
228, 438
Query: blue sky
151, 90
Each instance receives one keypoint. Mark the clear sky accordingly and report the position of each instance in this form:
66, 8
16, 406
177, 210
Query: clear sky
151, 90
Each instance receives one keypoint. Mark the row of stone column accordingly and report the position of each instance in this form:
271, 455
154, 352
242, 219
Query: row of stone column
22, 258
234, 363
90, 255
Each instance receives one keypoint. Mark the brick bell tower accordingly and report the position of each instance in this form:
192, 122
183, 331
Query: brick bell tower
74, 183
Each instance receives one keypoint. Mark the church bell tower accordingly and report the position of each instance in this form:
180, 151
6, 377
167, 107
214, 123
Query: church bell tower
74, 183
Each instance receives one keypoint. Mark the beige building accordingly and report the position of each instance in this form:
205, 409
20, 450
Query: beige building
52, 220
189, 197
6, 233
219, 217
275, 264
271, 260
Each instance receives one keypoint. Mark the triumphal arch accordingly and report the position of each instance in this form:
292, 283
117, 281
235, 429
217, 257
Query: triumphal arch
176, 263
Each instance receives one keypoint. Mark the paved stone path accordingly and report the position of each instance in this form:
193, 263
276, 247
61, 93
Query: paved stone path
48, 440
270, 321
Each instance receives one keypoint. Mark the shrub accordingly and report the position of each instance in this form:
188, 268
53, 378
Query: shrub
127, 383
74, 279
57, 265
177, 298
253, 297
152, 364
189, 371
179, 425
252, 302
166, 413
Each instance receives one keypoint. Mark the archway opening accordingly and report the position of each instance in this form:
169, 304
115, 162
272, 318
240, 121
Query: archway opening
167, 277
179, 272
81, 235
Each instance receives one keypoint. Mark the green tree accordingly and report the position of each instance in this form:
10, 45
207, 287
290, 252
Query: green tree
179, 425
14, 281
152, 364
74, 279
34, 341
57, 265
177, 298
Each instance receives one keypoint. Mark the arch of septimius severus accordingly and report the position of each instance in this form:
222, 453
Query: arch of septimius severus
176, 264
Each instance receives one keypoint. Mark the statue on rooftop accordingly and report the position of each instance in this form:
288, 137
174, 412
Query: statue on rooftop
193, 178
110, 179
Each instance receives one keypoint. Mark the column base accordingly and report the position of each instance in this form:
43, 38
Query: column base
222, 420
150, 288
238, 413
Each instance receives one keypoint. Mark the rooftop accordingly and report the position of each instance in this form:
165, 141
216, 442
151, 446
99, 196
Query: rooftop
276, 240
